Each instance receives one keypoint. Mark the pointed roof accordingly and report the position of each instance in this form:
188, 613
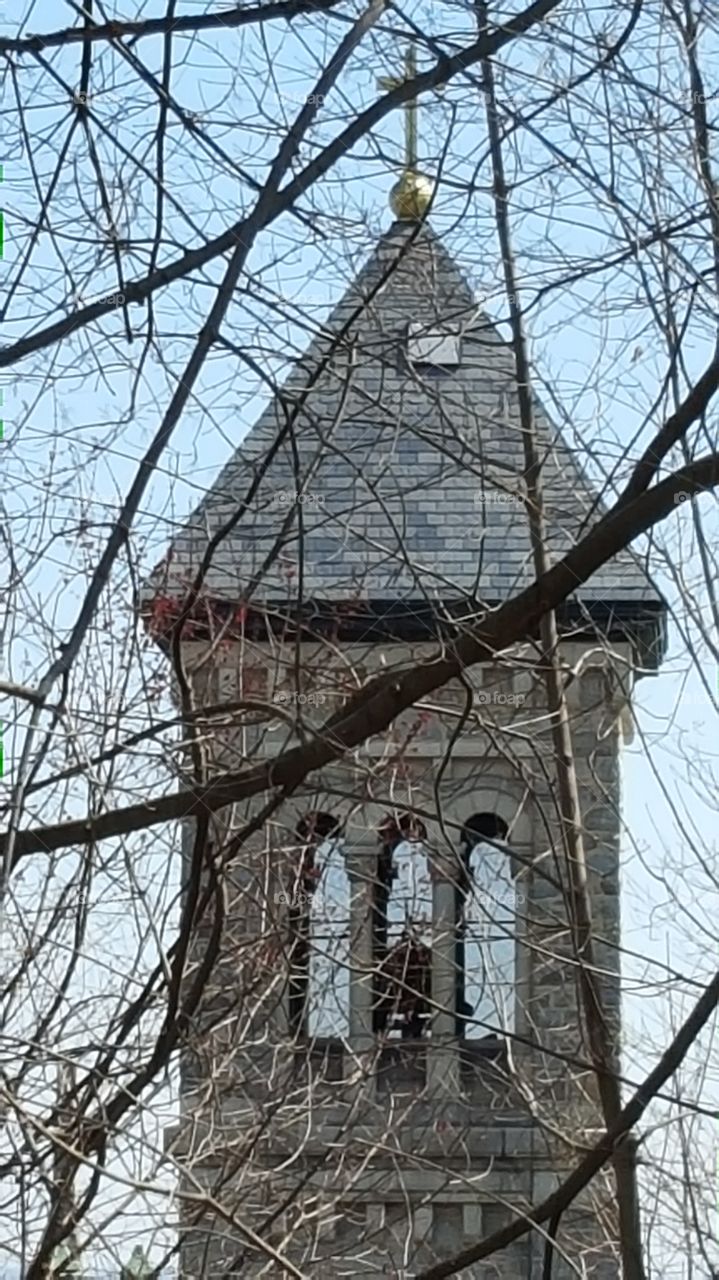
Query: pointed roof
411, 479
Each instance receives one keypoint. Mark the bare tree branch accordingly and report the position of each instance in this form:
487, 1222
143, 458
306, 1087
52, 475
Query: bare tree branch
383, 700
628, 1118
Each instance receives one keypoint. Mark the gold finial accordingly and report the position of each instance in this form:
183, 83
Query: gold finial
412, 195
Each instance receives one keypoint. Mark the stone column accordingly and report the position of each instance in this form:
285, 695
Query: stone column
443, 1055
267, 904
361, 859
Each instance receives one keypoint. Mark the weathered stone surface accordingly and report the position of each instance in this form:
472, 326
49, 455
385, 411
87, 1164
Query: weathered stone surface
351, 1158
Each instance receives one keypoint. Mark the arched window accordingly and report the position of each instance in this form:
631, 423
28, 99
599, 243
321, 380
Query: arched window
319, 917
486, 935
403, 929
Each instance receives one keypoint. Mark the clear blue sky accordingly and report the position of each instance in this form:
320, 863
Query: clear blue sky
66, 458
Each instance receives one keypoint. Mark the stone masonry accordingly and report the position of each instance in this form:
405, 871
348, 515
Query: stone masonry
366, 1153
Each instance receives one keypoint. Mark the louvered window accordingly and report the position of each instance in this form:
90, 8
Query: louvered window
430, 348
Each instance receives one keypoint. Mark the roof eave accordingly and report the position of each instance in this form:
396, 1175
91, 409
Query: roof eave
640, 623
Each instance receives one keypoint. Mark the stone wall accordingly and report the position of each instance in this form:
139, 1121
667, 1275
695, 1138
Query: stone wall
403, 1156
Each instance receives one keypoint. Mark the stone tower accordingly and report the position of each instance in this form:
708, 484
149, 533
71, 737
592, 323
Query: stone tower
388, 1062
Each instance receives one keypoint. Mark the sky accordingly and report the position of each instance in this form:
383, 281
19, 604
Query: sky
65, 460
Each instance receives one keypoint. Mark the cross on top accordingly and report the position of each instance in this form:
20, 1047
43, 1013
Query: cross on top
410, 106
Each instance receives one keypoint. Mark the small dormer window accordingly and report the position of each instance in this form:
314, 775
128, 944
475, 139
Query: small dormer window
432, 348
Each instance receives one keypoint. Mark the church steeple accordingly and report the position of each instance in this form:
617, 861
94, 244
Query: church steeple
411, 197
408, 468
396, 960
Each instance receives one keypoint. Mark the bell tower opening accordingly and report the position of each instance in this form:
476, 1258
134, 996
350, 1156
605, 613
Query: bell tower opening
318, 921
403, 914
485, 951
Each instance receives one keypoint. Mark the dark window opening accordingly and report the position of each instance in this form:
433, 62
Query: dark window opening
463, 1010
484, 947
396, 828
483, 826
426, 369
317, 826
402, 969
385, 873
405, 990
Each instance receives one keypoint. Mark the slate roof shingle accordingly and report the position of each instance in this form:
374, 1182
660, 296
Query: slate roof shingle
411, 483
